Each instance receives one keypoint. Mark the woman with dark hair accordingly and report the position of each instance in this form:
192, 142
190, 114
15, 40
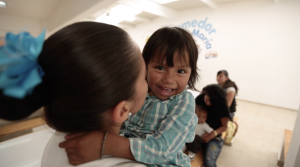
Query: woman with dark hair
230, 88
167, 119
214, 98
88, 76
95, 77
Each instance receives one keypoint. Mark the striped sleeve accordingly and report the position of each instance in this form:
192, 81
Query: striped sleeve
173, 132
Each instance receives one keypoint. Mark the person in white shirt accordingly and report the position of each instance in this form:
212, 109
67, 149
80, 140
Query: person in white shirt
202, 130
231, 90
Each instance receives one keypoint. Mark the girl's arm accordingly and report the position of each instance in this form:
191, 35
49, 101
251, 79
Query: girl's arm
219, 131
230, 96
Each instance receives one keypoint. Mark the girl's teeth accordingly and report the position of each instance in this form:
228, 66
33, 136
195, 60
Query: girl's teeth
169, 90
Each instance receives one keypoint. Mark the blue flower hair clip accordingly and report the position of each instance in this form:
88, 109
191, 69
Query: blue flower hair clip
19, 68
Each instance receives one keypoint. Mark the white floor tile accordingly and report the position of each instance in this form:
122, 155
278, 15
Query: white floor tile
224, 163
230, 154
260, 135
249, 161
273, 158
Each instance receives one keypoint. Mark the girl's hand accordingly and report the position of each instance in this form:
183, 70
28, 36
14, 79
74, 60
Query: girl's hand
204, 135
208, 137
83, 147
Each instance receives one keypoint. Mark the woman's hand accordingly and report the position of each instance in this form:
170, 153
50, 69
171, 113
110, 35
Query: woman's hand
208, 137
83, 147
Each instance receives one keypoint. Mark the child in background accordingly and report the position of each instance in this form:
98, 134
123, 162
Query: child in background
201, 130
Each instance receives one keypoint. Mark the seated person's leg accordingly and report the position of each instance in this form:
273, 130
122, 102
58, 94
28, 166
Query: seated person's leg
212, 151
194, 147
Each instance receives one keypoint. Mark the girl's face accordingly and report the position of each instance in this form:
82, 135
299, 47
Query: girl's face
141, 88
221, 79
165, 81
207, 100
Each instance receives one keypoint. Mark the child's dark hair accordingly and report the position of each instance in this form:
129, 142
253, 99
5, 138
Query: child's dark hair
166, 41
217, 97
228, 83
202, 108
87, 67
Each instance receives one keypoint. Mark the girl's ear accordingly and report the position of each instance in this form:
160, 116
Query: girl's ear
120, 112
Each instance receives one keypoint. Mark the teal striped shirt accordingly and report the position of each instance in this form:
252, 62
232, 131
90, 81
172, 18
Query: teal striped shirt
158, 132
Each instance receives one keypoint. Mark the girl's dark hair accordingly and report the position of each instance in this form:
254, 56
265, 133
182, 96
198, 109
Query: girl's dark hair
217, 97
87, 67
202, 108
165, 42
228, 83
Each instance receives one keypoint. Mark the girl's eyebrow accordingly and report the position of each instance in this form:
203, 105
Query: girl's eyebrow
159, 63
164, 64
182, 66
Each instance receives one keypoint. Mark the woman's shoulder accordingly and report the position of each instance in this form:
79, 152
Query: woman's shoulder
230, 89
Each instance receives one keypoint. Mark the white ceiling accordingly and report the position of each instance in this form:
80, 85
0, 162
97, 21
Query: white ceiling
38, 9
190, 4
147, 15
56, 9
183, 5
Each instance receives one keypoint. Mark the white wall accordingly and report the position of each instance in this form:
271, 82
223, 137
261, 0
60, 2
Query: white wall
293, 155
257, 42
19, 24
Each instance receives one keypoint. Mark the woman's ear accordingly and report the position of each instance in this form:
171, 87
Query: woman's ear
121, 112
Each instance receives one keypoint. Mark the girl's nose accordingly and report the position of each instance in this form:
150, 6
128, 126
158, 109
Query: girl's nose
169, 77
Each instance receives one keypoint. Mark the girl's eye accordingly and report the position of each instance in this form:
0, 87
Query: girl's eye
181, 71
160, 68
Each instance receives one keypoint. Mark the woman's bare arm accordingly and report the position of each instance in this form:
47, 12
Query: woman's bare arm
230, 96
223, 128
118, 146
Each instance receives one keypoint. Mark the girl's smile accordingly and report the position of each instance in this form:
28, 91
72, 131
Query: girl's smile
165, 81
164, 90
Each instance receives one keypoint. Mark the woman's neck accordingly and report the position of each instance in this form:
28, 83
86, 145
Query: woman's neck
115, 129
